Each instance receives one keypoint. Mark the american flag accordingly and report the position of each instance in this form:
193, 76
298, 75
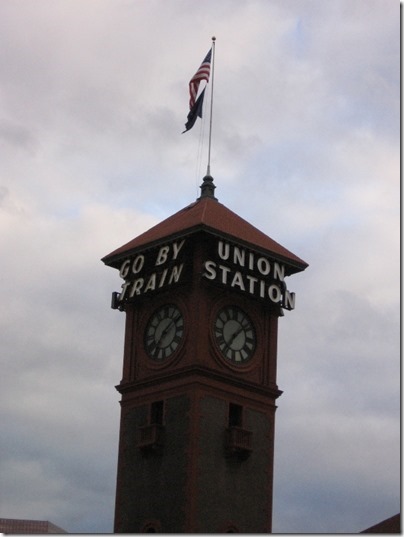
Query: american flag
202, 74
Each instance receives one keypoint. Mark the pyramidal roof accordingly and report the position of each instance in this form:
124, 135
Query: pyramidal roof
207, 214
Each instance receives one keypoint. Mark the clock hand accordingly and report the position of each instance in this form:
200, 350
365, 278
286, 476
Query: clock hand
236, 333
227, 344
165, 331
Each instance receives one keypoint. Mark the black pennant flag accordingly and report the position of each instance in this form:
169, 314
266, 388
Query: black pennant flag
196, 111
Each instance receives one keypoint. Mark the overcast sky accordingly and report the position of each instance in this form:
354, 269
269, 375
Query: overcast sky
93, 100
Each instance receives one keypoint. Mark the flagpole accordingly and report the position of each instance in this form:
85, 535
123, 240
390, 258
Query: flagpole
211, 103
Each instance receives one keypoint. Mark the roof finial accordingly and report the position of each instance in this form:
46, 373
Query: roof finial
207, 187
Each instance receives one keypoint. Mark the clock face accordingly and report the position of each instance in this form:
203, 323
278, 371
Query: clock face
235, 334
164, 332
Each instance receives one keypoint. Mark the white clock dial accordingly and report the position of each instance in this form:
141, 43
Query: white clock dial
164, 332
235, 334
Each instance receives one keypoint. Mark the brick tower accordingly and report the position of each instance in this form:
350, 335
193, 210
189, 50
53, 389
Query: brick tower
202, 292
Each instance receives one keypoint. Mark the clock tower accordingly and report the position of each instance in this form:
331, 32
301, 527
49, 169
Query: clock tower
202, 292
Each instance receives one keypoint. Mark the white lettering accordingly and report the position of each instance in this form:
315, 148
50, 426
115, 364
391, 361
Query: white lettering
223, 249
176, 273
252, 281
274, 293
279, 272
225, 271
290, 300
151, 284
238, 256
263, 266
163, 277
124, 269
124, 288
137, 264
136, 287
257, 275
177, 248
162, 255
210, 267
238, 280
